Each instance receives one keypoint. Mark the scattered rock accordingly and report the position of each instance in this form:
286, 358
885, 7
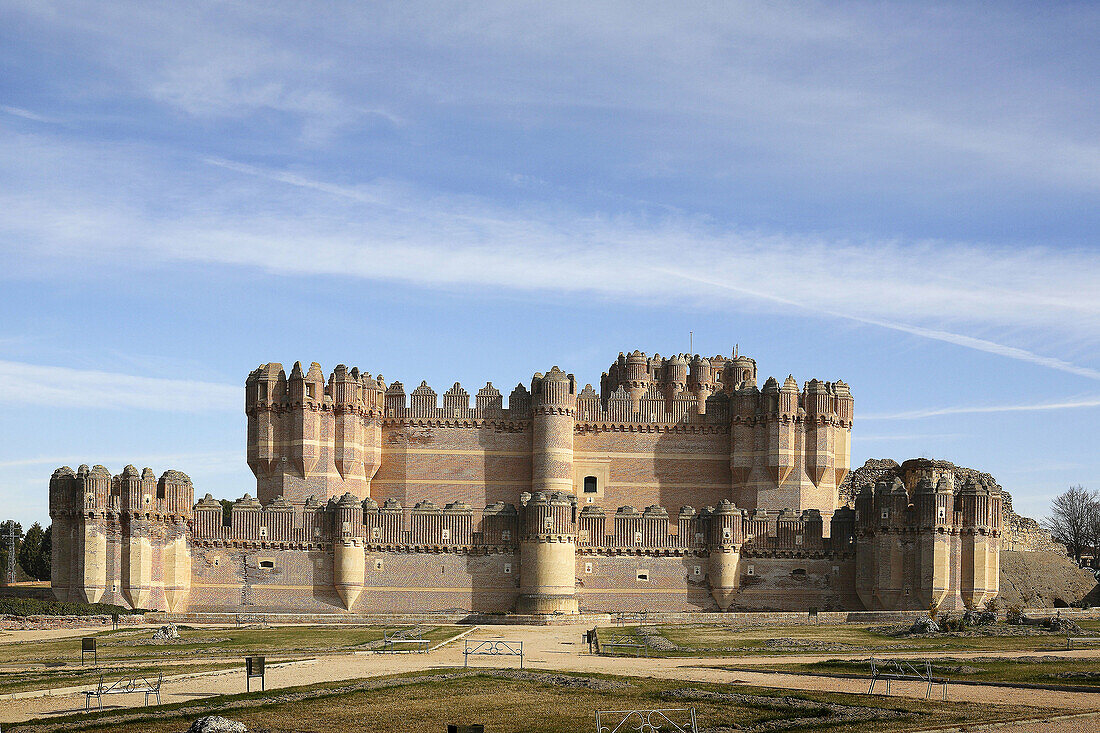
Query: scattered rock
924, 625
652, 639
1056, 625
168, 632
216, 724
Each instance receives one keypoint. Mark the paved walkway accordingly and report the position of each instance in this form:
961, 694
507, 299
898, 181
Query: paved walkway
561, 648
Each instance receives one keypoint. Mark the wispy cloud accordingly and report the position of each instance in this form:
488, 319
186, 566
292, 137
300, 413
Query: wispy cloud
1074, 404
33, 384
24, 113
252, 216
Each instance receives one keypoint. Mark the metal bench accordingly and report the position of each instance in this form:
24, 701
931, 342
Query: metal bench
673, 720
623, 618
391, 641
493, 648
893, 669
614, 643
123, 686
247, 619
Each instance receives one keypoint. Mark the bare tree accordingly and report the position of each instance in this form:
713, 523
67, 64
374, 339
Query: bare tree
1073, 519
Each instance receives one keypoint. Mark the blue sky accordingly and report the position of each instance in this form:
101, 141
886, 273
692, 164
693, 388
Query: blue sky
902, 196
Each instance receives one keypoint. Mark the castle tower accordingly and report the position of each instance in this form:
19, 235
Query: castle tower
308, 439
700, 382
65, 509
89, 570
980, 540
724, 538
554, 404
636, 380
935, 546
348, 553
140, 531
548, 553
178, 498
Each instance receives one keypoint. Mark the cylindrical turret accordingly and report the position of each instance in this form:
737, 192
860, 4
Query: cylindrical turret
348, 556
91, 577
724, 544
637, 378
64, 512
554, 397
548, 549
700, 382
347, 408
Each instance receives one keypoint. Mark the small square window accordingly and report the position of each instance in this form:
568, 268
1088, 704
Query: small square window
885, 513
589, 500
263, 531
376, 533
698, 536
311, 390
446, 535
697, 571
507, 568
549, 523
798, 539
836, 570
267, 564
941, 512
590, 485
377, 564
750, 570
637, 538
726, 533
506, 535
345, 527
643, 575
588, 567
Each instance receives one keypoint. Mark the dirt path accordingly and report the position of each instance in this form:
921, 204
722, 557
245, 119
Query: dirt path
553, 648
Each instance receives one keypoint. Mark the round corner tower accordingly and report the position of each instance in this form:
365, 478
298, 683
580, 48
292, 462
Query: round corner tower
548, 553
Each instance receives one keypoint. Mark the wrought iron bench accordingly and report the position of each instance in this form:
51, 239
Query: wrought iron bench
411, 637
673, 720
493, 648
123, 686
614, 643
893, 669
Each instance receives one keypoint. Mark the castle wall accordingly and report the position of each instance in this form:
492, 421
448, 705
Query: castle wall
679, 486
479, 463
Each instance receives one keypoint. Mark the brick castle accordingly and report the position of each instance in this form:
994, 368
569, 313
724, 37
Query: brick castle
679, 485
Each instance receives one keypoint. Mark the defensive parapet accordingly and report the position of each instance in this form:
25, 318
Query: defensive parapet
121, 539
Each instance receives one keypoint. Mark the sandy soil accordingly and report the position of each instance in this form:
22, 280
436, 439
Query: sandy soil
561, 648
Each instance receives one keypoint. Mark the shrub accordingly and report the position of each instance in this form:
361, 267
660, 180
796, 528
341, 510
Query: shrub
1015, 614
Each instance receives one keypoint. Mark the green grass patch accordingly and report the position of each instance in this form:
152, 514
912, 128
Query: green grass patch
530, 702
49, 679
1061, 671
277, 642
713, 640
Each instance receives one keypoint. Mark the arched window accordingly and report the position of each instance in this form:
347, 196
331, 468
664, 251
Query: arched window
590, 484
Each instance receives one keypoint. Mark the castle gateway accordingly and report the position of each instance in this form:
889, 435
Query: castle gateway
680, 485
